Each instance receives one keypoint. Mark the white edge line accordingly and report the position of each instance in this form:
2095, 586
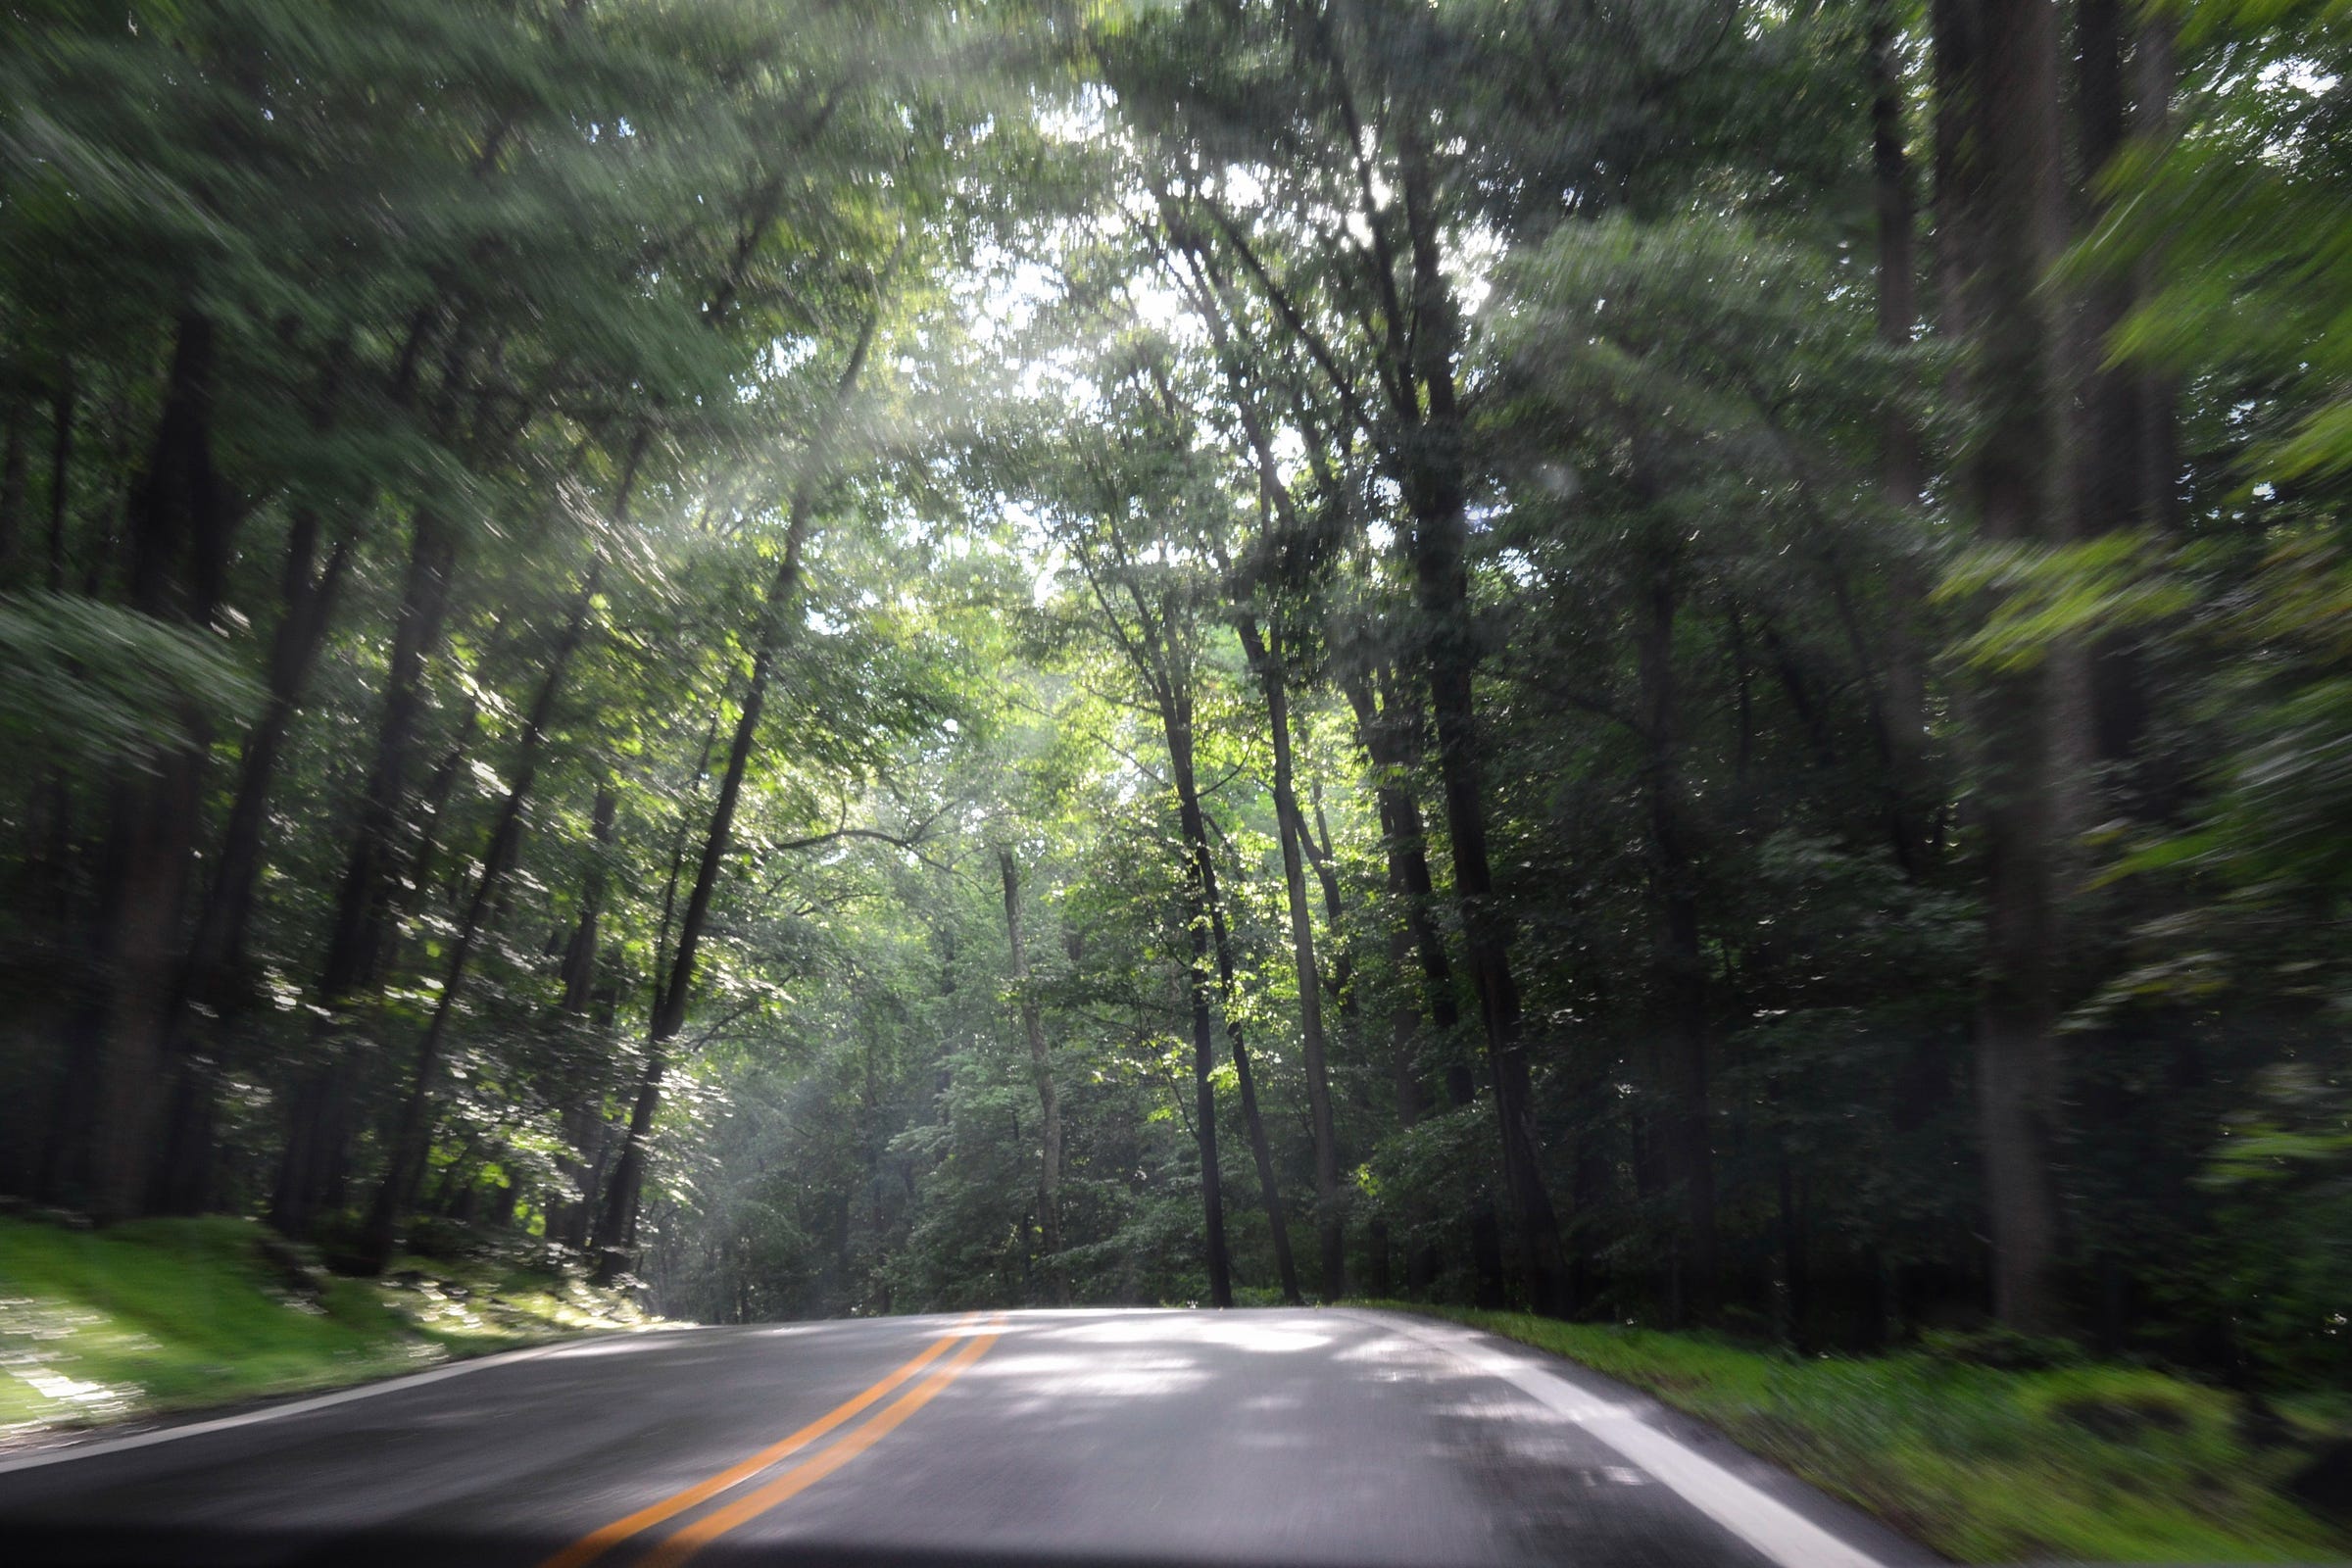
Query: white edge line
278, 1412
1767, 1524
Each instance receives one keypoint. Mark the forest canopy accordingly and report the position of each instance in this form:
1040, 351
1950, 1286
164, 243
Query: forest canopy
1677, 663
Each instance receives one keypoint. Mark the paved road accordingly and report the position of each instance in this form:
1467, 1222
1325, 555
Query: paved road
1352, 1439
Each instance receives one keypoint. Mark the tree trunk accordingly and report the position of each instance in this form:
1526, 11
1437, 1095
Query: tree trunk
1330, 1243
616, 1222
569, 1218
2154, 73
2009, 173
1387, 733
1176, 719
318, 1107
1678, 972
578, 970
1041, 1069
2127, 448
1261, 1154
180, 524
1205, 1097
63, 411
1340, 970
1436, 495
1899, 461
15, 464
211, 978
411, 1138
1900, 719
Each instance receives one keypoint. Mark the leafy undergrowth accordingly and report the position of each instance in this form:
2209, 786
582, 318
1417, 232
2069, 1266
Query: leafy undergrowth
167, 1314
2086, 1463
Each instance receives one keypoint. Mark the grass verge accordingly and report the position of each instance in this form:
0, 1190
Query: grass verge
2097, 1463
169, 1314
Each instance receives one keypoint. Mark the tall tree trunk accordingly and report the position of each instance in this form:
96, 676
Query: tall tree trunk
411, 1138
2128, 448
1900, 719
1389, 733
51, 858
1205, 1095
616, 1222
63, 410
180, 524
210, 982
1041, 1069
2154, 76
1292, 831
16, 414
1330, 1243
1176, 721
1339, 973
1436, 493
1954, 48
1405, 1026
583, 1089
1678, 972
318, 1107
428, 817
1899, 461
1261, 1153
578, 970
2009, 167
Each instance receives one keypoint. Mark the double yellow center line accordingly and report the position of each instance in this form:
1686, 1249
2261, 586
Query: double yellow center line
684, 1543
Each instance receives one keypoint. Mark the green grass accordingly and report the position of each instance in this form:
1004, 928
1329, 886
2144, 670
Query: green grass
2097, 1463
169, 1314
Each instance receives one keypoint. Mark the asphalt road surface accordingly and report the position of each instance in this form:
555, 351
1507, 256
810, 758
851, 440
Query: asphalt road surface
1336, 1437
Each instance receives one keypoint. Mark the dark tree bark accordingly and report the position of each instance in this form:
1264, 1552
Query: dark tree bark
1678, 972
1954, 30
2155, 72
578, 970
212, 979
580, 1166
1331, 1249
63, 410
318, 1108
2127, 446
1291, 830
1389, 731
1899, 718
1261, 1154
2107, 466
1041, 1070
15, 465
1205, 1097
179, 522
2009, 173
1340, 972
1899, 462
427, 818
1436, 493
1205, 915
411, 1137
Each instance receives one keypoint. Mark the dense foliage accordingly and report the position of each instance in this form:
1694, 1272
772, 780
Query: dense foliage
1679, 663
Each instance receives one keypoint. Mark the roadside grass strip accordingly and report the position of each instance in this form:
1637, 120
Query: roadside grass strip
174, 1315
2090, 1462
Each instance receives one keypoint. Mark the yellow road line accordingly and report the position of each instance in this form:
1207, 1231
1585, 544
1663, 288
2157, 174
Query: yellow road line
692, 1539
597, 1542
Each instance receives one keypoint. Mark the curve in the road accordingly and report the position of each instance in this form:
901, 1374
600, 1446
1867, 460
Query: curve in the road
1305, 1438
